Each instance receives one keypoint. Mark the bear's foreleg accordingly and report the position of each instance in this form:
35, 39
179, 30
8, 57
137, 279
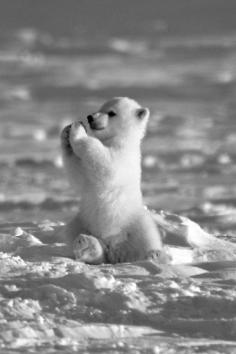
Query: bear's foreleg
94, 156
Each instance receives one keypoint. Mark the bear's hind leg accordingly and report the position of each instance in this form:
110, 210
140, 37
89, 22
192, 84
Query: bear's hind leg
144, 240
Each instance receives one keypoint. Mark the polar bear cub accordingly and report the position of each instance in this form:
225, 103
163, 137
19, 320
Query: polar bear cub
102, 157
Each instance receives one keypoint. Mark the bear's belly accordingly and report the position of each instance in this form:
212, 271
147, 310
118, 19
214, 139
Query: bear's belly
107, 214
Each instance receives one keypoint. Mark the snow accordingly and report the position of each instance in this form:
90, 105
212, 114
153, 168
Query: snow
48, 300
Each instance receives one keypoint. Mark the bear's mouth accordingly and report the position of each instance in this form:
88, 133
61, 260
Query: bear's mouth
97, 125
97, 121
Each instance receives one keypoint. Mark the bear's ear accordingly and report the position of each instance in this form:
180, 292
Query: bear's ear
143, 113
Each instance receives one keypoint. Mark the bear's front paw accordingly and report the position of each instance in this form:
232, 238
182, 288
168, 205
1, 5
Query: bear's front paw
65, 139
77, 132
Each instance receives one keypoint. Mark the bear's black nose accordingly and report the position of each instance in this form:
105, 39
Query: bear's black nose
90, 118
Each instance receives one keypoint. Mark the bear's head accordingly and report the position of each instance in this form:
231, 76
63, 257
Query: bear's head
119, 119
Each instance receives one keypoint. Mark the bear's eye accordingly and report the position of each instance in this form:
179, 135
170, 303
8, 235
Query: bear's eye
111, 114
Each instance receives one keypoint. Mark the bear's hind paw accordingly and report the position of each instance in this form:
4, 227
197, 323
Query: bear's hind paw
88, 249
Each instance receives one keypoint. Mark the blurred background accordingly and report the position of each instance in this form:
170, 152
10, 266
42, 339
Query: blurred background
60, 59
